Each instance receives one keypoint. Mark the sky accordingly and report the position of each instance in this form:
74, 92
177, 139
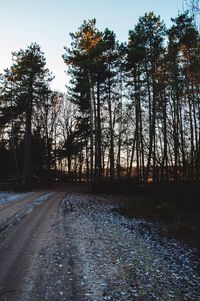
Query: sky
49, 22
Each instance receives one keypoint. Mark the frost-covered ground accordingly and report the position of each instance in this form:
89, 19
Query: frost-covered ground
17, 213
35, 203
127, 259
8, 197
41, 199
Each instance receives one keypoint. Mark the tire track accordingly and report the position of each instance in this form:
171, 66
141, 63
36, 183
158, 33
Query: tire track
21, 245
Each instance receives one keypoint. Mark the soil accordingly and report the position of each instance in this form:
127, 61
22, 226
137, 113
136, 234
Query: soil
9, 209
65, 244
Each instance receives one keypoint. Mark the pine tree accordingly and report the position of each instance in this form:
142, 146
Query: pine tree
145, 50
27, 77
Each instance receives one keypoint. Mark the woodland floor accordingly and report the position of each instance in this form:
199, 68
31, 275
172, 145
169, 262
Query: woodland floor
67, 244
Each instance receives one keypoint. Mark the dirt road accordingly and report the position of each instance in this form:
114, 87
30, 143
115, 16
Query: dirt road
11, 208
74, 246
19, 244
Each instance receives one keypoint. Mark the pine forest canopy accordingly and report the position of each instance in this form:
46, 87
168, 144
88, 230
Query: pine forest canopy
131, 109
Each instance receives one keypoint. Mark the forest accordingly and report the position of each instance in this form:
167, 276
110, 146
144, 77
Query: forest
131, 110
99, 181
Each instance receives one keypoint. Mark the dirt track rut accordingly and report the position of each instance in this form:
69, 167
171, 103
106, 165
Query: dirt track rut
11, 208
20, 244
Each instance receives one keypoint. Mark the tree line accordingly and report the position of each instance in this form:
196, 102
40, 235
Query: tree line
131, 109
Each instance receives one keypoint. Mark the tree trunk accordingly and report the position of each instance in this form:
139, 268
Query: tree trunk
27, 172
99, 159
91, 131
111, 151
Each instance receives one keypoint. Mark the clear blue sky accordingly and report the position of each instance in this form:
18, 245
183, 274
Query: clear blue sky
49, 22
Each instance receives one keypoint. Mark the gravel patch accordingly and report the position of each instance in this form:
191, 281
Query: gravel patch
127, 259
